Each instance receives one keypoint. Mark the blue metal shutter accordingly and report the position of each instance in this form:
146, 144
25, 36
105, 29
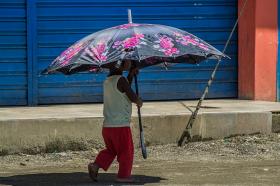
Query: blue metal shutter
13, 62
61, 23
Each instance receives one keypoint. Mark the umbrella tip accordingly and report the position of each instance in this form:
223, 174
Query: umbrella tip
44, 72
129, 16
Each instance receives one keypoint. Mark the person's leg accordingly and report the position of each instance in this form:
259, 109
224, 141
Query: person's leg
125, 153
105, 157
93, 171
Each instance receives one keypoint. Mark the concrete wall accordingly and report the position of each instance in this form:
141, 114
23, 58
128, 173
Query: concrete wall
257, 50
48, 135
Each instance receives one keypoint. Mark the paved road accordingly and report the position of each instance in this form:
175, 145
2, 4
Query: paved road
156, 173
241, 160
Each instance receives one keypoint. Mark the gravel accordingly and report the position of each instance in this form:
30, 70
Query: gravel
247, 147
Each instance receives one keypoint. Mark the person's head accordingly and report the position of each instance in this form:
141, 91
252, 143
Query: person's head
123, 65
120, 66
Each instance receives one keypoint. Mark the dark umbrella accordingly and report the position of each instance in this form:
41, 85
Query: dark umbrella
149, 44
143, 44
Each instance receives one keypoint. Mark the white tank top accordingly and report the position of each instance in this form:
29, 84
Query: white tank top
117, 106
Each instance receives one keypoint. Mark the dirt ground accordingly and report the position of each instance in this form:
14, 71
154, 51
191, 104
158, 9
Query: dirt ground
241, 160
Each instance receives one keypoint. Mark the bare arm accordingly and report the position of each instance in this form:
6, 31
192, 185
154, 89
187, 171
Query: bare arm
124, 86
133, 71
130, 78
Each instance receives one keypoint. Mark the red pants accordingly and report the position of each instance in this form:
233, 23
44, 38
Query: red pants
118, 141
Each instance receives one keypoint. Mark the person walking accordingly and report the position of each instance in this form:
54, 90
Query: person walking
118, 98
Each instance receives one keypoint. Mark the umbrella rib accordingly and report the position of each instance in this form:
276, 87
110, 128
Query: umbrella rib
90, 43
149, 27
114, 36
139, 58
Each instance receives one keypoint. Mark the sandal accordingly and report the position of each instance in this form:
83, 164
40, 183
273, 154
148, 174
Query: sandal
93, 171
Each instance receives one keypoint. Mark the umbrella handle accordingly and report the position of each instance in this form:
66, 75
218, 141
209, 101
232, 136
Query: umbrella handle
142, 141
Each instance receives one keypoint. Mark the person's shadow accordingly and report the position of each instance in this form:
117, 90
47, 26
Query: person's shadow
75, 178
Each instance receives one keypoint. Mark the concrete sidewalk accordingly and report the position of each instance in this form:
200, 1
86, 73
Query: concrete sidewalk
149, 109
36, 127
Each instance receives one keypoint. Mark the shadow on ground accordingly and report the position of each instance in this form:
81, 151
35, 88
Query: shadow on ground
74, 178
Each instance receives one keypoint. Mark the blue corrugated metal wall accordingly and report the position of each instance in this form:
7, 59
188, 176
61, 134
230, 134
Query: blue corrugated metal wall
59, 23
13, 55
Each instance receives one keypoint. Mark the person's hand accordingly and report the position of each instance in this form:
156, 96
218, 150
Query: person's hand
133, 71
139, 103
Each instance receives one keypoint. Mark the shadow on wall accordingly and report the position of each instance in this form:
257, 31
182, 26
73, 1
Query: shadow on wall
74, 178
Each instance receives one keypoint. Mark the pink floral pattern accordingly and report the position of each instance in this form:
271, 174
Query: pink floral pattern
126, 26
98, 52
153, 44
67, 55
178, 34
186, 40
166, 45
131, 42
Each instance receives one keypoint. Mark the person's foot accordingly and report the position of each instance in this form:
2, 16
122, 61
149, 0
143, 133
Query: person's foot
93, 171
124, 180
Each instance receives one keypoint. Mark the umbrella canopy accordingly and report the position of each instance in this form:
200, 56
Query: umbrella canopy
144, 44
